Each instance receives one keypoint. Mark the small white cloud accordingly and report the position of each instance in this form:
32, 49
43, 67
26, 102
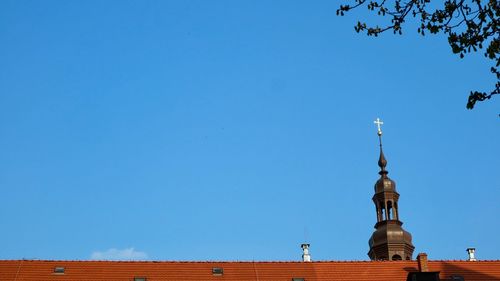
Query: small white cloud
117, 254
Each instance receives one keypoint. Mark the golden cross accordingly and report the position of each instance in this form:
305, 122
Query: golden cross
379, 123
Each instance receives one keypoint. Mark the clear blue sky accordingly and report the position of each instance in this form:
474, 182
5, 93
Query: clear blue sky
234, 130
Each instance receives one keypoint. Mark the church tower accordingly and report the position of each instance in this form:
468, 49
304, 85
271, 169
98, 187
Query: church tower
389, 240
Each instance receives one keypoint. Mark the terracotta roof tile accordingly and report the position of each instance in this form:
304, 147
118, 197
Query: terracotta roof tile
41, 270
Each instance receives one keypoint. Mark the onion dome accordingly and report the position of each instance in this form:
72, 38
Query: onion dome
384, 183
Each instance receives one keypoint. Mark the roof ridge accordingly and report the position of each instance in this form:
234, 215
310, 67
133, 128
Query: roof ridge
198, 261
236, 261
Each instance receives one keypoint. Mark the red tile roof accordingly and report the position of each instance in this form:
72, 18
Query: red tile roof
41, 270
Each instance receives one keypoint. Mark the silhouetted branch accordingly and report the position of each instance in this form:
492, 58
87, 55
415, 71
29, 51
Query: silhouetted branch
467, 29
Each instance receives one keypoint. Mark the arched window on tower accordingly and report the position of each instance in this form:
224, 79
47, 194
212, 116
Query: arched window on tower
382, 210
389, 210
396, 258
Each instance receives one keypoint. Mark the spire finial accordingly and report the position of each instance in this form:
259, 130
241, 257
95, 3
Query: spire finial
382, 162
379, 124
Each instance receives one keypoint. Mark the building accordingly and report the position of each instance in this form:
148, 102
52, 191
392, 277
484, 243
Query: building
390, 252
39, 270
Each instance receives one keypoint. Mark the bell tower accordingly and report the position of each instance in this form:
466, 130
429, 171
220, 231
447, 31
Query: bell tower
389, 240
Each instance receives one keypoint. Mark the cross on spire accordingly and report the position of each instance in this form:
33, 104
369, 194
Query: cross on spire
378, 122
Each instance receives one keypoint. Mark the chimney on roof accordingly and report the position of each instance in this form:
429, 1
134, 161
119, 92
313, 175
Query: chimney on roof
471, 252
306, 257
423, 273
422, 262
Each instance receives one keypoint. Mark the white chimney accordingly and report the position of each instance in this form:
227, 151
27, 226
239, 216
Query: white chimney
305, 253
471, 252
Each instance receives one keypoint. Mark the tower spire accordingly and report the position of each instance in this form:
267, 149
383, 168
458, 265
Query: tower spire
389, 241
382, 162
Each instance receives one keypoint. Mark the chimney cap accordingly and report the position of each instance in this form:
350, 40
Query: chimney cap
306, 257
471, 252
